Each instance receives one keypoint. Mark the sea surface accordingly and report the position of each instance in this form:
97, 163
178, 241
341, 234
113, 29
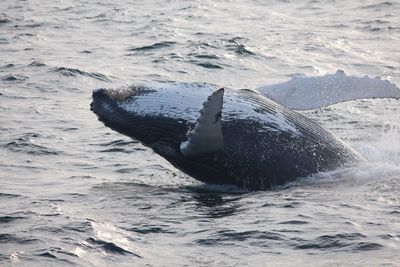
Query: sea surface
75, 193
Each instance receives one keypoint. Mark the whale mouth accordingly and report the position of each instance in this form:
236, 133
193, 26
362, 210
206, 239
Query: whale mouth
97, 95
108, 105
106, 101
101, 104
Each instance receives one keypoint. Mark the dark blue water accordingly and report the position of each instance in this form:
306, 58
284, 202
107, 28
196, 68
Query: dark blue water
73, 192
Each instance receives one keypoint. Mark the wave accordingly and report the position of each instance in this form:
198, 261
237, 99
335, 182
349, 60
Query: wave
53, 255
26, 144
205, 56
354, 242
13, 238
14, 78
4, 19
36, 64
238, 48
4, 41
8, 66
6, 195
122, 146
378, 6
109, 239
109, 247
153, 46
8, 219
206, 65
71, 72
229, 236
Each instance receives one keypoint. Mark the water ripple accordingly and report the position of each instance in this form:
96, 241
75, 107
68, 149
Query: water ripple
206, 65
26, 144
152, 229
346, 241
4, 41
13, 238
8, 66
153, 46
238, 48
108, 247
229, 236
296, 222
4, 19
36, 64
5, 195
8, 219
378, 6
14, 78
71, 72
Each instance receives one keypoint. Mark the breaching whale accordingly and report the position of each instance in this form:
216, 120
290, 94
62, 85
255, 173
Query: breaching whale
220, 135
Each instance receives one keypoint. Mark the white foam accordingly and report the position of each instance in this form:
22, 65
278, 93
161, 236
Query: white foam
110, 233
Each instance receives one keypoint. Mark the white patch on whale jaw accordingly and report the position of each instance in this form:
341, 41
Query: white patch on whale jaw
206, 137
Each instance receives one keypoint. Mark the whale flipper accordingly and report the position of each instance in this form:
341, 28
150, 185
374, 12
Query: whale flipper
206, 136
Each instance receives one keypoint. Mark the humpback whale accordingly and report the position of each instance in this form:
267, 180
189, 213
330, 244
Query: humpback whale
221, 135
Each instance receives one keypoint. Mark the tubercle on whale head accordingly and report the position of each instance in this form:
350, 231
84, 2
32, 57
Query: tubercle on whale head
121, 94
96, 95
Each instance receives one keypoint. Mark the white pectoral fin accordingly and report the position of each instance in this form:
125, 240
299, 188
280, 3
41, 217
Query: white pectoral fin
206, 137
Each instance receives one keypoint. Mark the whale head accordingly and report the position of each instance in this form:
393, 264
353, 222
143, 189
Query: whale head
182, 132
124, 111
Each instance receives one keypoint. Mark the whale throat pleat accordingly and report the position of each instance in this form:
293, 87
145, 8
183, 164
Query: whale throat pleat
206, 136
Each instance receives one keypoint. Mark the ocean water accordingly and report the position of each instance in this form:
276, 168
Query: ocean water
75, 193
